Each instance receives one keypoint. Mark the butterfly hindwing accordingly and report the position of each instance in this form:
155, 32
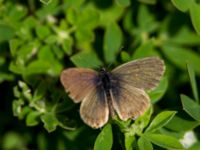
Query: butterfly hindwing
128, 101
78, 82
142, 73
94, 109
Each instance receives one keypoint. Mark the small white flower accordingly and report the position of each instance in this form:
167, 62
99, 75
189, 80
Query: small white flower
188, 139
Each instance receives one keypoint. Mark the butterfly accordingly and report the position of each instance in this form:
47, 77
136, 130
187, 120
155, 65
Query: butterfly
119, 92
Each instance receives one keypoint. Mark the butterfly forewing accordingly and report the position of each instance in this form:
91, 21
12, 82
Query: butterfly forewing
128, 101
78, 82
143, 73
94, 109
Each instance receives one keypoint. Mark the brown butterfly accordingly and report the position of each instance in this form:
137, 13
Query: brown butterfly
121, 91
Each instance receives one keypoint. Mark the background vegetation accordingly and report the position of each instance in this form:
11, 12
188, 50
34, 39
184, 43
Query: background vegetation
40, 38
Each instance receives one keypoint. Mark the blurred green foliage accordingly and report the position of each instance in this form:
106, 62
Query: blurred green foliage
38, 39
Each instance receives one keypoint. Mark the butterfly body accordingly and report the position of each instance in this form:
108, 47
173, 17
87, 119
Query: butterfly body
119, 92
106, 83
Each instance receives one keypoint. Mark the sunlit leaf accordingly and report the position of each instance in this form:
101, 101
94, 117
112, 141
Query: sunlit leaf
164, 141
160, 120
182, 5
144, 144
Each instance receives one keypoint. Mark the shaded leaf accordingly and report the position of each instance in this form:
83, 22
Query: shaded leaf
148, 1
6, 32
105, 139
159, 91
191, 107
186, 125
180, 56
112, 42
145, 50
185, 36
46, 1
193, 82
123, 2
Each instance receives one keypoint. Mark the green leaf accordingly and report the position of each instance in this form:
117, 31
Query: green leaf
112, 42
17, 107
186, 125
144, 144
40, 91
42, 31
46, 1
30, 22
67, 46
159, 91
84, 35
185, 36
87, 59
50, 121
148, 1
45, 54
6, 32
164, 141
26, 92
194, 14
12, 140
129, 141
110, 15
125, 56
123, 3
142, 121
32, 118
145, 50
194, 146
145, 20
37, 67
27, 51
180, 56
182, 5
14, 45
160, 120
136, 128
128, 22
193, 82
16, 13
191, 107
104, 139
